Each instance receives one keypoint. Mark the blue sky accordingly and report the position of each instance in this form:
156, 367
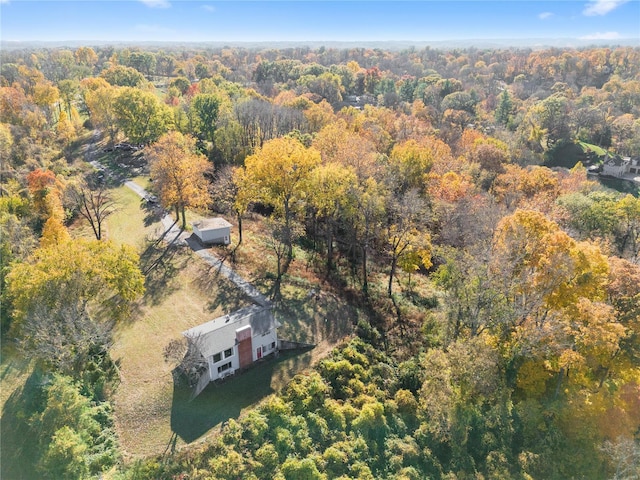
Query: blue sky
312, 20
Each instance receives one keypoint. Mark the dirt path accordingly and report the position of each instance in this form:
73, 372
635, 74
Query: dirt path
150, 412
180, 237
173, 233
248, 289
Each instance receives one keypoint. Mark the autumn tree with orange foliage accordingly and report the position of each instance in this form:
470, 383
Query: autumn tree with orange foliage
534, 187
337, 143
179, 173
46, 190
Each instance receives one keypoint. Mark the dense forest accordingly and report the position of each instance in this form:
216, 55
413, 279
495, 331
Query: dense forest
444, 194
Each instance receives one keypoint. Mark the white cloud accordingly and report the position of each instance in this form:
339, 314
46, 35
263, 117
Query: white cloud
156, 3
545, 15
601, 36
209, 8
601, 7
4, 1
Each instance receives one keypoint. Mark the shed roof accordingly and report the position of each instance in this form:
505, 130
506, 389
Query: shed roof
211, 223
220, 333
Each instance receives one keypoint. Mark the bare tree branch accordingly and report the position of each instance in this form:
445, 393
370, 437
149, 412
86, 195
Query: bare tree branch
95, 205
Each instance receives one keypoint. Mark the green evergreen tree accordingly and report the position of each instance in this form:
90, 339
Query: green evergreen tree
505, 107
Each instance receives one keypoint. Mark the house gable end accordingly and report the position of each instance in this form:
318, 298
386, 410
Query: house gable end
221, 333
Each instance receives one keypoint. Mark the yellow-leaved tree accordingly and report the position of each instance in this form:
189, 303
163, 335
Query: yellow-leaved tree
66, 297
405, 235
331, 194
559, 321
410, 161
542, 268
178, 172
100, 99
337, 143
278, 175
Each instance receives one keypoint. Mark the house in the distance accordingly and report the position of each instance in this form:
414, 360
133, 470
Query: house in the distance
233, 342
617, 166
212, 231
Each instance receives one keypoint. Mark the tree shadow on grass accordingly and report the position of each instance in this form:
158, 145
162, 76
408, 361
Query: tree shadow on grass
161, 264
18, 447
211, 281
219, 402
153, 213
221, 291
314, 318
227, 296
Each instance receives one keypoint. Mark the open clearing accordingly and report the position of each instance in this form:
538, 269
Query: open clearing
153, 416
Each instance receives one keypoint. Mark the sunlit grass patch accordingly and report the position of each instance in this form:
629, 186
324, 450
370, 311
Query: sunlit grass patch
134, 221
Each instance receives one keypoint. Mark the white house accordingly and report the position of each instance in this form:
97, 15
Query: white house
234, 341
213, 231
617, 166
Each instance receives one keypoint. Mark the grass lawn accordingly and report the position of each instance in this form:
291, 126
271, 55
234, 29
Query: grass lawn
144, 181
181, 294
14, 370
152, 415
133, 222
586, 147
16, 444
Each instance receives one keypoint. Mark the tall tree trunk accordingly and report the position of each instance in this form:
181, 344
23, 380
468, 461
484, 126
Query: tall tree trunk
95, 228
559, 378
184, 218
233, 252
329, 248
394, 262
287, 222
365, 280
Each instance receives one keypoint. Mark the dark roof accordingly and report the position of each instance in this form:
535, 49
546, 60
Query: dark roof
616, 160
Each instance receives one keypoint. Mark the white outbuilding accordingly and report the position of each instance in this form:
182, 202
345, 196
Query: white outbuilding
213, 231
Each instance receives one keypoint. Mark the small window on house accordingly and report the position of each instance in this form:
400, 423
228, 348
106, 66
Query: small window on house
224, 367
228, 353
217, 357
273, 344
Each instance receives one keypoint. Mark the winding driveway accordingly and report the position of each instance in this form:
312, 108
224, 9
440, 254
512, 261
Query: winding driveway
180, 237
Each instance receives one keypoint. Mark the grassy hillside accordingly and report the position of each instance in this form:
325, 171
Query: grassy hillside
571, 153
183, 291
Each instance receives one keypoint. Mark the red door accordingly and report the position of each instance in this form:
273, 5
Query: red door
259, 353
